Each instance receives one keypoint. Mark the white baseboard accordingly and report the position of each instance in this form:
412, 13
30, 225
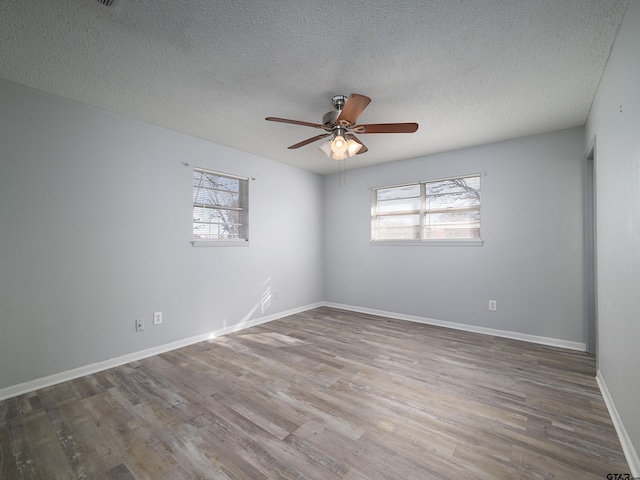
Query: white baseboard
38, 383
26, 387
30, 386
627, 447
554, 342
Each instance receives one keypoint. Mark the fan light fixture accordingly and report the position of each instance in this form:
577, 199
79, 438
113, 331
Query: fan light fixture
340, 148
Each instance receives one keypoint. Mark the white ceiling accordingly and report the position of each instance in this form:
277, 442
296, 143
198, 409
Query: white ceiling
470, 72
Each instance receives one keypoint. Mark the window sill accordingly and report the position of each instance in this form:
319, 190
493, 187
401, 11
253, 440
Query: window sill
435, 243
220, 243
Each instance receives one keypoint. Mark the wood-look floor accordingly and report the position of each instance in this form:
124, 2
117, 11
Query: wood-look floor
326, 394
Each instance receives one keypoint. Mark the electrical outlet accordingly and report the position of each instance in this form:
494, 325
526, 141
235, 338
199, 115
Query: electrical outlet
157, 318
139, 324
277, 295
493, 305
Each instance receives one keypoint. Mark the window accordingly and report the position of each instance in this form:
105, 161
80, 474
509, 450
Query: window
447, 209
220, 206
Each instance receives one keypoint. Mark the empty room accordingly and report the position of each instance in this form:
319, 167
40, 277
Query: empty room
319, 240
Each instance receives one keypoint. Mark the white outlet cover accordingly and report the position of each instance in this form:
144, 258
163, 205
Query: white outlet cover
157, 318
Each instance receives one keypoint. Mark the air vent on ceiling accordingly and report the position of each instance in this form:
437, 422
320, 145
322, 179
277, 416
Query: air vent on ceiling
108, 3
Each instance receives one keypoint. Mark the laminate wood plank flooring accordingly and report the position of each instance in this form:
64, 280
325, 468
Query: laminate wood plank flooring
325, 394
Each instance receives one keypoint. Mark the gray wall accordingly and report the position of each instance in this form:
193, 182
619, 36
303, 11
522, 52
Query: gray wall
614, 123
95, 230
532, 226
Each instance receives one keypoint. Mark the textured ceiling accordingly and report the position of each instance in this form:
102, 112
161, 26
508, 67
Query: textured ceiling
469, 72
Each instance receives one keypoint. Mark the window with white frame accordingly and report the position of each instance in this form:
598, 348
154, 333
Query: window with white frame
446, 209
220, 206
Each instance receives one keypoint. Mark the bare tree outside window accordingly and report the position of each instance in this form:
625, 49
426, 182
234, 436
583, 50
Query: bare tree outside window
452, 208
439, 209
220, 206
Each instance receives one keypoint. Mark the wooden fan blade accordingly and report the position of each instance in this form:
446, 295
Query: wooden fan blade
295, 122
308, 141
386, 128
363, 149
352, 109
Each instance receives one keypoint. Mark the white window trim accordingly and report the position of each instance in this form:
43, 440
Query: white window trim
453, 242
223, 242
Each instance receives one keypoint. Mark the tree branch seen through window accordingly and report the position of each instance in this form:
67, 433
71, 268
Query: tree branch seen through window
220, 206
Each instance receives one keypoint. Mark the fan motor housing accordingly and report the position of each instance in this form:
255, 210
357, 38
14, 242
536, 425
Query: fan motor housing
331, 117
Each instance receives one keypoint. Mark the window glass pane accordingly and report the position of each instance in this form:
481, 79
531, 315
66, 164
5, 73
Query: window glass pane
461, 232
453, 218
399, 205
217, 215
199, 214
405, 191
210, 180
453, 200
453, 185
225, 183
399, 227
206, 231
452, 224
215, 231
216, 197
398, 220
210, 190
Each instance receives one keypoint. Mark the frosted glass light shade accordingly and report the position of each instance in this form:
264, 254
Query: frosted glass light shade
353, 147
326, 149
339, 145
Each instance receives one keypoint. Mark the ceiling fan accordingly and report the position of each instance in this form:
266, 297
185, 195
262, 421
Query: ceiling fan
340, 125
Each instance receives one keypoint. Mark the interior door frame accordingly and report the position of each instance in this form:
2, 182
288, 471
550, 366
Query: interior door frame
591, 251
